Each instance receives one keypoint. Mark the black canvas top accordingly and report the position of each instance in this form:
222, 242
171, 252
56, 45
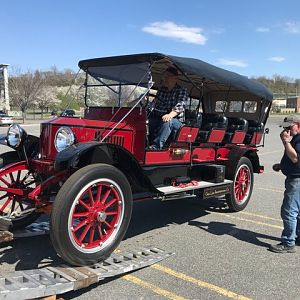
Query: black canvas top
197, 71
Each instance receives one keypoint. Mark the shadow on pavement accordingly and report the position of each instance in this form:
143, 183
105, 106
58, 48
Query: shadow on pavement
220, 228
29, 253
153, 214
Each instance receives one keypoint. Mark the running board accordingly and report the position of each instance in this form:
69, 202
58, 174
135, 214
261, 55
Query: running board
51, 281
210, 189
169, 189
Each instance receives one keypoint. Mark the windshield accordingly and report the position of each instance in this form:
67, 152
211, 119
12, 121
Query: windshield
115, 86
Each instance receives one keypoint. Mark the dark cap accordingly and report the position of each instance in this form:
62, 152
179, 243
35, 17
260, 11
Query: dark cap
290, 120
172, 71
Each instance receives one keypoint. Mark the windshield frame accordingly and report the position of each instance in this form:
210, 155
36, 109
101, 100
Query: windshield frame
115, 84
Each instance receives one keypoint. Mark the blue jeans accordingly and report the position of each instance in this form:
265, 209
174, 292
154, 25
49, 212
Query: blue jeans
290, 210
161, 130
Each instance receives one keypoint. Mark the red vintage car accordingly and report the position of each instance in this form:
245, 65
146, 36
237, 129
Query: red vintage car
86, 172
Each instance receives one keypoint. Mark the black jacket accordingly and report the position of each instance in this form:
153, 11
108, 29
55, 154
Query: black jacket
289, 168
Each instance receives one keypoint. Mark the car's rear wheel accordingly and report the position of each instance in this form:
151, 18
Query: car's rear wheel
91, 214
242, 185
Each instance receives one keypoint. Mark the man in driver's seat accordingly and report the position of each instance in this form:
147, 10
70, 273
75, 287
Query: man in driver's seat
169, 108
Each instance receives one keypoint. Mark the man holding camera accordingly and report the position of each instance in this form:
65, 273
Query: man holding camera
290, 167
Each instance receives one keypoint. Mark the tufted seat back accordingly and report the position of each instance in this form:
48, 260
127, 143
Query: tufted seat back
213, 128
254, 133
236, 131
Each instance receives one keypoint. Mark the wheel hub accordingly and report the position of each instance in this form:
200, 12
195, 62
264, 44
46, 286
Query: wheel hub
101, 216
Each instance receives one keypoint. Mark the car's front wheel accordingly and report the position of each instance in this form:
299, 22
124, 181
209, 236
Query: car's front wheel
91, 214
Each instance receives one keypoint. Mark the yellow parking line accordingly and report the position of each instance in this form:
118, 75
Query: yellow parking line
200, 283
247, 220
153, 288
270, 190
270, 152
273, 173
259, 216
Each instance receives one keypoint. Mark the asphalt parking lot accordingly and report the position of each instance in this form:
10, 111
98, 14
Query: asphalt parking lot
218, 255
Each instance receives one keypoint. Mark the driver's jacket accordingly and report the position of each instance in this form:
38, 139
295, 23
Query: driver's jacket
171, 100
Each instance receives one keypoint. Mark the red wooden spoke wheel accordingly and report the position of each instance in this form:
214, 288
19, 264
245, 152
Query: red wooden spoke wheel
91, 214
242, 185
15, 184
96, 215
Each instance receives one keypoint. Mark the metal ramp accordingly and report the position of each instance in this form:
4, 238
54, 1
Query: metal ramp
50, 281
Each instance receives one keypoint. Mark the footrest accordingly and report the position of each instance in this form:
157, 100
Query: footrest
168, 189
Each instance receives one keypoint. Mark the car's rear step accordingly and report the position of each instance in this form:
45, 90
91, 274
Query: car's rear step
196, 185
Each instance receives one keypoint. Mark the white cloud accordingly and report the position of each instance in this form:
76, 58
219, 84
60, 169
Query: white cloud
233, 62
263, 29
292, 27
277, 58
192, 35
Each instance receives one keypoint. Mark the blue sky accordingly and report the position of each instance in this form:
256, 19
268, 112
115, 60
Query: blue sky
253, 38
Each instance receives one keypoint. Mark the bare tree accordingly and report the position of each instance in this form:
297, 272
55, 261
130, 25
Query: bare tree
281, 86
45, 98
24, 89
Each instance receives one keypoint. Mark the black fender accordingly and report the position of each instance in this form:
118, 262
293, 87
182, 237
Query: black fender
234, 156
31, 146
9, 157
83, 154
